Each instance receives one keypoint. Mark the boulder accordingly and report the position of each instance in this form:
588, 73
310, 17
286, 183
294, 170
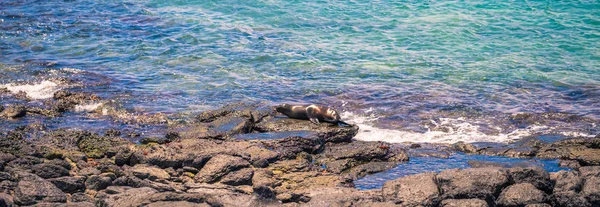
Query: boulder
534, 175
483, 183
239, 177
591, 190
14, 111
143, 171
569, 199
412, 190
96, 146
33, 189
289, 147
463, 203
5, 199
370, 168
567, 181
69, 184
46, 170
521, 194
218, 166
97, 182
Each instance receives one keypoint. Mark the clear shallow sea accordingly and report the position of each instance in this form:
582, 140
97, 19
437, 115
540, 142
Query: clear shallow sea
436, 71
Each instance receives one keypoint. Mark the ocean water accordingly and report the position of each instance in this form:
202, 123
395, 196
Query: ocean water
404, 71
433, 164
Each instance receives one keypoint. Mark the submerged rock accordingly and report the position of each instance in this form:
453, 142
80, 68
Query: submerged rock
14, 111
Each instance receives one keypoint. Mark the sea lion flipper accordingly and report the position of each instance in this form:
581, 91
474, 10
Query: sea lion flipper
311, 113
314, 120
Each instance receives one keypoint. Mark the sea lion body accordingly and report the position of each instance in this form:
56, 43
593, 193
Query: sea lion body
314, 113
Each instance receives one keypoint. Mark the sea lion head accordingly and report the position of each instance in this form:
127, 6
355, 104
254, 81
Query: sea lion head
283, 108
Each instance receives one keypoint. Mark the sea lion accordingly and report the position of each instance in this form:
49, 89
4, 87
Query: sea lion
314, 113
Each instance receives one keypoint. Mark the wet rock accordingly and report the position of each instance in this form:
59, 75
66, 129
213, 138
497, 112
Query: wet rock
238, 177
66, 101
521, 194
150, 172
96, 146
463, 203
464, 147
289, 147
46, 170
218, 166
591, 190
14, 143
5, 199
358, 150
534, 175
331, 133
69, 184
97, 182
484, 164
567, 181
429, 153
112, 133
157, 140
33, 189
569, 199
227, 126
420, 189
370, 168
483, 183
524, 152
14, 111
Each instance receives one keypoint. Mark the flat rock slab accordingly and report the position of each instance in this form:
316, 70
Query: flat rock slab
330, 132
482, 183
218, 166
463, 203
275, 135
34, 189
413, 190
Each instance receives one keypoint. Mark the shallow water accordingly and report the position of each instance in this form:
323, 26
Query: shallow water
403, 70
418, 165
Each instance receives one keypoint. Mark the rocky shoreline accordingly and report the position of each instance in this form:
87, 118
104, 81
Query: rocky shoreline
246, 155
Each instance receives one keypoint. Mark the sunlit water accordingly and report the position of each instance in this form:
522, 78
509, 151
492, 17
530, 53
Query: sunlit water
414, 71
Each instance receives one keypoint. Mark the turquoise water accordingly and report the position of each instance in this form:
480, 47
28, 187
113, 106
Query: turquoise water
461, 68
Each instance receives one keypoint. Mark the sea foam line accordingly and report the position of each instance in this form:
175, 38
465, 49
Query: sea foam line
457, 130
42, 90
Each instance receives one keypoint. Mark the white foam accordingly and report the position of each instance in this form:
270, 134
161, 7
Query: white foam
455, 130
42, 90
87, 107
